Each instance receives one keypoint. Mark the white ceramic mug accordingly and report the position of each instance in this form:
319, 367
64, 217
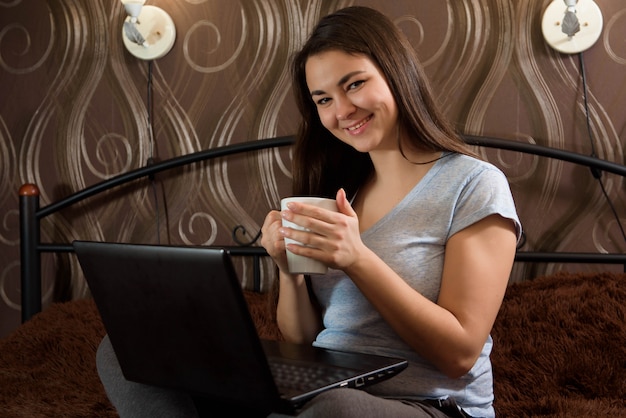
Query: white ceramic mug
299, 264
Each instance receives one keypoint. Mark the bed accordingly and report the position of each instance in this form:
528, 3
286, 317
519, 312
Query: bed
559, 339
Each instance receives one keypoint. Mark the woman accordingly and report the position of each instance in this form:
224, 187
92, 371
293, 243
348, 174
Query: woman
420, 251
422, 246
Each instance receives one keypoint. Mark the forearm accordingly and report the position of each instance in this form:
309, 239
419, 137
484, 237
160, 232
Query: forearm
298, 318
417, 320
430, 330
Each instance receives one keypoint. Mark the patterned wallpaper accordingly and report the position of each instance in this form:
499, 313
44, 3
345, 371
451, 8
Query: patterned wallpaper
74, 111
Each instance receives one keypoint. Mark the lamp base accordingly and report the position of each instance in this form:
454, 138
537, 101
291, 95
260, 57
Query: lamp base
590, 18
158, 30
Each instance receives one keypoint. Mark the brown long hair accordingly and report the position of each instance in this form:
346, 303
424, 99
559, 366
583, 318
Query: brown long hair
322, 163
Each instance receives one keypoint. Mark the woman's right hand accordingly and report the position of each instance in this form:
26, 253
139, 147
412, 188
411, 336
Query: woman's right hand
273, 241
297, 318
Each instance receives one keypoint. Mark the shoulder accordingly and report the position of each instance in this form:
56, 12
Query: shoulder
468, 164
481, 190
459, 171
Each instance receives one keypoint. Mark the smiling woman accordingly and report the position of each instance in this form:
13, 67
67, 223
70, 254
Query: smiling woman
422, 245
419, 250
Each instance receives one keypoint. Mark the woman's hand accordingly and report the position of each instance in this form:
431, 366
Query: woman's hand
332, 237
297, 317
273, 241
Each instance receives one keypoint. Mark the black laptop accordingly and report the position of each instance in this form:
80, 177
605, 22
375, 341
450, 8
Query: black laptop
177, 318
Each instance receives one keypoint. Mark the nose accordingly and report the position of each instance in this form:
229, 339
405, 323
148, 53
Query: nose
344, 108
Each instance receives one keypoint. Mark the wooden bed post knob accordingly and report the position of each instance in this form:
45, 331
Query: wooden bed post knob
29, 189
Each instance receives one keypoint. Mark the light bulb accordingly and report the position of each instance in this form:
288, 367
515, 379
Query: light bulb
133, 8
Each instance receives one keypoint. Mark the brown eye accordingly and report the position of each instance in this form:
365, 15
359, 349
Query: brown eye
355, 85
323, 101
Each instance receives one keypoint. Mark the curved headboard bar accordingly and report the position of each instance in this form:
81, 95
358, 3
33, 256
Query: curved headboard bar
591, 162
31, 215
555, 153
164, 166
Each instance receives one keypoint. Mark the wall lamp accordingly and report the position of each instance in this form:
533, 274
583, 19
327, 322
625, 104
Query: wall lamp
148, 31
572, 26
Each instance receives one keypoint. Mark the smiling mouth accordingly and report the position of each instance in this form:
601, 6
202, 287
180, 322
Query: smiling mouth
358, 125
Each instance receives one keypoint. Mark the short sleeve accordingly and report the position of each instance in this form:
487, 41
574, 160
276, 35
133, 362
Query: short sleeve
485, 193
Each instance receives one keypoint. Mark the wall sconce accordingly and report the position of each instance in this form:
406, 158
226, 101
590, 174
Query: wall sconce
148, 31
572, 26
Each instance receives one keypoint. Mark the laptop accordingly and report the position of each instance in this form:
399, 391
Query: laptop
177, 318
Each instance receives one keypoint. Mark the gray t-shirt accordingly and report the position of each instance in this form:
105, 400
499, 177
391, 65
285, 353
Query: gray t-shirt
455, 193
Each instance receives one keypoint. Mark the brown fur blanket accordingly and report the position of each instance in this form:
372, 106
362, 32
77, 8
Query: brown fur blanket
560, 347
560, 350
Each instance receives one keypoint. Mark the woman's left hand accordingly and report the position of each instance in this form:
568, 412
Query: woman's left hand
333, 237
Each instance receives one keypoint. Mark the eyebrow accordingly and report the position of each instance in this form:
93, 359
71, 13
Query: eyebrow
341, 81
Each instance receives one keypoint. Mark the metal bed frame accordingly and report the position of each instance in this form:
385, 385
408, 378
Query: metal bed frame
31, 214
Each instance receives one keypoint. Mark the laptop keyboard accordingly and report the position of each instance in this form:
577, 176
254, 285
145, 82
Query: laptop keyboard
303, 377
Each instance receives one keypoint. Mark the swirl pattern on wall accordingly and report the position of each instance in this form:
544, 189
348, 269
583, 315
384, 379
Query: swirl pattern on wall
79, 113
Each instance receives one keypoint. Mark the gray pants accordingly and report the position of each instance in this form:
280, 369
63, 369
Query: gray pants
137, 400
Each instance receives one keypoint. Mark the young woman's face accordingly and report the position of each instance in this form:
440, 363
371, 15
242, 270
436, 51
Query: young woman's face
353, 100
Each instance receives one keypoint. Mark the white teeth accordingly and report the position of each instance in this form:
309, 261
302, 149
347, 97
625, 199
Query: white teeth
359, 125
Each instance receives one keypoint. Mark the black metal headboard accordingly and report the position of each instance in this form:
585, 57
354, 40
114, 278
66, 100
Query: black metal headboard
31, 214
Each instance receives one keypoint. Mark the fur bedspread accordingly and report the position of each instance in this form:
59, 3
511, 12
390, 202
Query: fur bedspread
560, 350
560, 347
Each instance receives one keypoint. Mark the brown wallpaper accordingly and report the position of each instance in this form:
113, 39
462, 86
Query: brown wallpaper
73, 112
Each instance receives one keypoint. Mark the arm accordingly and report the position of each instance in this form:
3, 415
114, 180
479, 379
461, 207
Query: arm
452, 332
449, 333
297, 316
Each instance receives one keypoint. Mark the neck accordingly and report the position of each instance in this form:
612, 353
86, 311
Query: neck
392, 160
392, 169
